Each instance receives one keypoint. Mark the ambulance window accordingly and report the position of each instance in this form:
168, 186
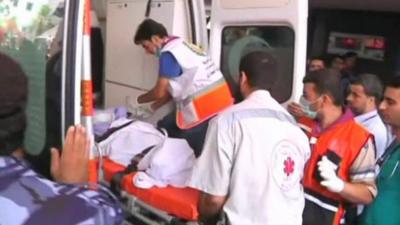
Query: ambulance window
27, 33
276, 40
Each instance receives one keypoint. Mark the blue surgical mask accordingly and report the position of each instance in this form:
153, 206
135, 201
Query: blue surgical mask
306, 108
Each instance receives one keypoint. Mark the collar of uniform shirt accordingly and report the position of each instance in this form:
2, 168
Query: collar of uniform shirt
366, 116
259, 94
346, 116
169, 39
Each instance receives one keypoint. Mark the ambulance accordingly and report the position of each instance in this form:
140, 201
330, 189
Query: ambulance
80, 56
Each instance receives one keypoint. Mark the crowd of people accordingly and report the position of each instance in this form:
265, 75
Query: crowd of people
332, 158
350, 121
348, 170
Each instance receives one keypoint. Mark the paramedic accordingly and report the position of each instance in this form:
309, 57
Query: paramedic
187, 75
385, 209
341, 169
366, 92
253, 159
25, 196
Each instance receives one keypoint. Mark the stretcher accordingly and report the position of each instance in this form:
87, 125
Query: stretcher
167, 205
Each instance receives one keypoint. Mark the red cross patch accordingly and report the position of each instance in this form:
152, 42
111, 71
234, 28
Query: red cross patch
289, 166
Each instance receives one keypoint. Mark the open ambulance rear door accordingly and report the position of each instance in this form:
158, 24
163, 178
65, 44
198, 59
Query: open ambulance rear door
275, 26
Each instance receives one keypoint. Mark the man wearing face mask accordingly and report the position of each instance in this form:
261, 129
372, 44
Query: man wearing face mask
189, 77
303, 114
341, 170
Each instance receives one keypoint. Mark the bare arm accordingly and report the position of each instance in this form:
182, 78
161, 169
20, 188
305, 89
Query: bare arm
359, 193
158, 103
210, 207
362, 189
158, 92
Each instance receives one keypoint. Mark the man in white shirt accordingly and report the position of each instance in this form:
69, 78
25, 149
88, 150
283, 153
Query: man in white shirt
366, 91
253, 159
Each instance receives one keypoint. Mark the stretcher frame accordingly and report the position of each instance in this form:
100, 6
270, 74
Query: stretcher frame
148, 214
140, 210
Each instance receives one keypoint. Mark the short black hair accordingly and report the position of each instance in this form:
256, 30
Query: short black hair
13, 96
260, 68
372, 85
336, 56
322, 58
326, 81
147, 29
349, 55
394, 82
333, 57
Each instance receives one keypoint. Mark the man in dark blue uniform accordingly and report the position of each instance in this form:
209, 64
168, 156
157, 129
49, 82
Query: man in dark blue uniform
27, 197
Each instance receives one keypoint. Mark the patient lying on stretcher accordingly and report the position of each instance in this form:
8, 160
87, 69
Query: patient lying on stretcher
159, 160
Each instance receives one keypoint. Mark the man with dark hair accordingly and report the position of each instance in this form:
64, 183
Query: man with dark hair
25, 196
350, 61
302, 112
337, 63
151, 31
187, 75
384, 210
366, 92
341, 170
348, 72
316, 63
252, 164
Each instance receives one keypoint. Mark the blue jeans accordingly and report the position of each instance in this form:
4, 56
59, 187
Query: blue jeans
194, 136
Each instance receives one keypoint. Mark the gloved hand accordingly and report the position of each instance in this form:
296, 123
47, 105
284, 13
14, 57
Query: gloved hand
144, 111
327, 170
139, 111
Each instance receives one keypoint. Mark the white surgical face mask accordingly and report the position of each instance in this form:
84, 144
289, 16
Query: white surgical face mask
306, 108
158, 52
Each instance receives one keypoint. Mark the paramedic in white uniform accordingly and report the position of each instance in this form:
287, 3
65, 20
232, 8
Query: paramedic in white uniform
253, 158
187, 76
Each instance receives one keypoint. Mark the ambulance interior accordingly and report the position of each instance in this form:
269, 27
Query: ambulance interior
122, 70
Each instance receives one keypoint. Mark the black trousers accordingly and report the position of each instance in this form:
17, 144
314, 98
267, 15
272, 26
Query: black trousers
194, 136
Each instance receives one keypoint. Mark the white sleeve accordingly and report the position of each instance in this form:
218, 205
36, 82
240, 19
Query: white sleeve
211, 173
